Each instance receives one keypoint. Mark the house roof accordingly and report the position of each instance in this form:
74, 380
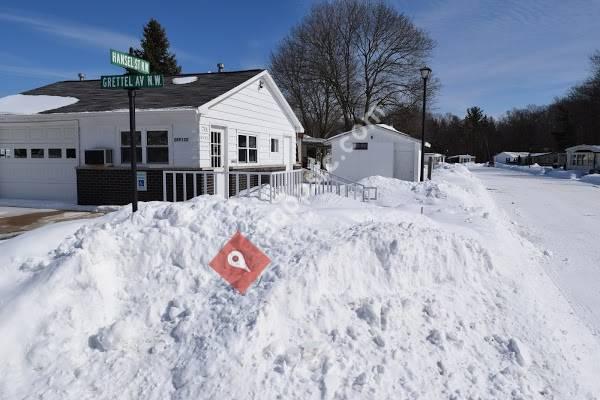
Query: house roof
594, 148
384, 127
188, 93
514, 154
462, 155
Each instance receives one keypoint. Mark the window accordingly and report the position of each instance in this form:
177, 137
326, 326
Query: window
71, 153
4, 153
361, 146
215, 149
37, 153
157, 147
54, 153
274, 145
126, 150
247, 152
20, 153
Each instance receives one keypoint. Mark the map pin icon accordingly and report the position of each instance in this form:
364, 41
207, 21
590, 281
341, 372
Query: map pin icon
236, 260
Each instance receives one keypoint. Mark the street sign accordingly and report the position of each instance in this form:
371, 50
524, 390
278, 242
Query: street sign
129, 62
131, 81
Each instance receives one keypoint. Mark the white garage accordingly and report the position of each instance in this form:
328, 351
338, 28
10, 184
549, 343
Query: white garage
375, 150
38, 161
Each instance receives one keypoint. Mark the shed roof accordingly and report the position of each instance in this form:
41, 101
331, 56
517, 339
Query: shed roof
190, 94
383, 127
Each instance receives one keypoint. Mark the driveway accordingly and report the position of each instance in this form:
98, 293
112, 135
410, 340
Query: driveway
562, 217
16, 220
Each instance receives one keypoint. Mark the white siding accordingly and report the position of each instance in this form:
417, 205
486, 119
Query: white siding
388, 154
104, 131
251, 111
39, 178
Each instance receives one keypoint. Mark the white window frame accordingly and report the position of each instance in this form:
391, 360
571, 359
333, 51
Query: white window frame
144, 145
247, 148
276, 142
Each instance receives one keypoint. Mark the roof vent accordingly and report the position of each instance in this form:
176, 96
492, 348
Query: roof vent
221, 67
81, 76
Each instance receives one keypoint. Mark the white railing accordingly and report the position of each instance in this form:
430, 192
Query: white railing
184, 185
203, 182
266, 185
322, 181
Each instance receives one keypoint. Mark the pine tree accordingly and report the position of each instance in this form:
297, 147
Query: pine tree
155, 49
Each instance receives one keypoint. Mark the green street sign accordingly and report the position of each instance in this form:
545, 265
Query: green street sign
131, 81
126, 61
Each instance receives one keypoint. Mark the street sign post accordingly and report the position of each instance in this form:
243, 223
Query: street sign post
131, 82
129, 62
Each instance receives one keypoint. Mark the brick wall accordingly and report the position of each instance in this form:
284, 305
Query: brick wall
112, 186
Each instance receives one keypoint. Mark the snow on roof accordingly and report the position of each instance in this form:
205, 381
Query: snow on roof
595, 148
309, 139
33, 104
462, 155
383, 126
514, 153
184, 80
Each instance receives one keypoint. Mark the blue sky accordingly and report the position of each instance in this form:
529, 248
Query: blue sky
494, 54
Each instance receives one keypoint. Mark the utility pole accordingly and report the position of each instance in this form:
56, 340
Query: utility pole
425, 72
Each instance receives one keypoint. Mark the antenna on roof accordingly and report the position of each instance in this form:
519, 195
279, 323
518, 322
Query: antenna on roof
81, 76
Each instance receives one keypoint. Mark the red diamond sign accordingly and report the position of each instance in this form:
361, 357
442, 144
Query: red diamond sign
239, 262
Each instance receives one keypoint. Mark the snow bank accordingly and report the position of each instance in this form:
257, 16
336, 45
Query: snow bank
360, 301
30, 104
536, 169
591, 178
184, 80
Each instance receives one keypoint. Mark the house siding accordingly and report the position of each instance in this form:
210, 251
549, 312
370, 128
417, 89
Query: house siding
250, 111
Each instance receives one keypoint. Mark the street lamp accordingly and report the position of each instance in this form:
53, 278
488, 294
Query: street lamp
425, 72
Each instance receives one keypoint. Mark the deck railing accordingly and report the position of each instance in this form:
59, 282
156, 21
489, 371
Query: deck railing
184, 185
322, 181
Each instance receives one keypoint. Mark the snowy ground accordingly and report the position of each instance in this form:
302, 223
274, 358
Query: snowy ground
562, 218
431, 293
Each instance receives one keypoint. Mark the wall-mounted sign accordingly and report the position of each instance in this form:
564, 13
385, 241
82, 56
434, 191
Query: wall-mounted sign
181, 139
129, 62
142, 183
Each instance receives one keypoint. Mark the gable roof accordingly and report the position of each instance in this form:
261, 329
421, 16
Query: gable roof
92, 98
383, 127
594, 148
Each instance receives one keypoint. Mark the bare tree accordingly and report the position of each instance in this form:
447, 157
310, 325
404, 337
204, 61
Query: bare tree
363, 55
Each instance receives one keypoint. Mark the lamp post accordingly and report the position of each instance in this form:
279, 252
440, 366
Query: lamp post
425, 72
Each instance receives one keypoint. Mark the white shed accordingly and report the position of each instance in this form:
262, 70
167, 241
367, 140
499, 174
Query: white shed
461, 159
375, 150
509, 157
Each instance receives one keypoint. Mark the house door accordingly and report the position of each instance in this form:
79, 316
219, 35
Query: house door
287, 160
216, 148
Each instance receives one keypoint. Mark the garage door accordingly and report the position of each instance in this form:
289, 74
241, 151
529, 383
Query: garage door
38, 161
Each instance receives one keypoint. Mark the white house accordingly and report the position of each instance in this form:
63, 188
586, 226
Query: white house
509, 157
583, 157
461, 159
226, 121
436, 158
375, 150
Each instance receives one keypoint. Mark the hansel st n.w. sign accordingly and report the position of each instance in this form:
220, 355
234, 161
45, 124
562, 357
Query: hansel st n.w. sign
129, 62
131, 81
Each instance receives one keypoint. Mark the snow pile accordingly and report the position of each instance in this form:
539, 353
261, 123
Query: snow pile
184, 80
591, 178
33, 104
370, 301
